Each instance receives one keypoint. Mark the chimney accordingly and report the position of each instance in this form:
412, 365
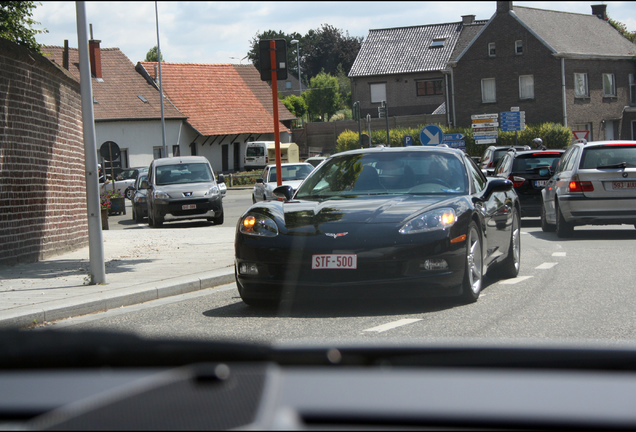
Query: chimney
95, 55
600, 11
65, 55
503, 7
468, 19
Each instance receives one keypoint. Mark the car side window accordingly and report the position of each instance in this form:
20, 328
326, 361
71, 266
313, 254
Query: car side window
564, 159
569, 164
502, 167
477, 178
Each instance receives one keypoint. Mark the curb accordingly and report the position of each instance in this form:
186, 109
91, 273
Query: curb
26, 316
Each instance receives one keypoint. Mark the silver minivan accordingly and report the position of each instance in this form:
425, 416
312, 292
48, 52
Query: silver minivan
594, 184
183, 188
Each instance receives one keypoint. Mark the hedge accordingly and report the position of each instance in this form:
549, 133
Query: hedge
553, 135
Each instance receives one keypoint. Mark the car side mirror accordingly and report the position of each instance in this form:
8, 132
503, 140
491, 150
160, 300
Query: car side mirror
285, 191
259, 180
220, 178
498, 185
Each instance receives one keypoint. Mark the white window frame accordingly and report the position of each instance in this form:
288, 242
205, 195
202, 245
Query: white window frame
609, 85
526, 87
488, 95
377, 92
492, 49
580, 85
518, 47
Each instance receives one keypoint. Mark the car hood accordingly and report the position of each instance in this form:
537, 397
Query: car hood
186, 190
372, 210
293, 183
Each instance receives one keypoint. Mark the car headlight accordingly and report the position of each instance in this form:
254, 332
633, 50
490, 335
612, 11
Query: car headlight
213, 191
434, 220
159, 194
258, 225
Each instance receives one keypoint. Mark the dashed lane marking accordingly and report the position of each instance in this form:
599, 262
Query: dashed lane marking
545, 266
515, 280
391, 325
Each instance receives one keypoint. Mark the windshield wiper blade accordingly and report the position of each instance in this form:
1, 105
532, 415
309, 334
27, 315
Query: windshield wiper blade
616, 165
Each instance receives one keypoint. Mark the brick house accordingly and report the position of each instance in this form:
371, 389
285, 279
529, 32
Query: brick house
227, 106
406, 67
568, 68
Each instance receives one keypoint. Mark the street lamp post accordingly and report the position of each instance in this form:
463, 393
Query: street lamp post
300, 84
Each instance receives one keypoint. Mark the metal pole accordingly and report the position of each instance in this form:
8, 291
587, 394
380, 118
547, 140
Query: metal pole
272, 57
163, 123
93, 206
386, 117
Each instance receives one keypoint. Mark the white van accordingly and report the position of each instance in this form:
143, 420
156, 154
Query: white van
256, 157
259, 154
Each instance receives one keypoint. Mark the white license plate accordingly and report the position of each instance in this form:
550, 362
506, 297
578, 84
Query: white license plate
188, 207
618, 185
334, 261
540, 183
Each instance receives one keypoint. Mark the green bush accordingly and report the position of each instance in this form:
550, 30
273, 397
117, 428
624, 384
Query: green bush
554, 136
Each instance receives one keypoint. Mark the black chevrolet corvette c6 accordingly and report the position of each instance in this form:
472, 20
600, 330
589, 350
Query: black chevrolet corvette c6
380, 222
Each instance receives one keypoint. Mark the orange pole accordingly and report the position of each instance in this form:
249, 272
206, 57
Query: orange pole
272, 57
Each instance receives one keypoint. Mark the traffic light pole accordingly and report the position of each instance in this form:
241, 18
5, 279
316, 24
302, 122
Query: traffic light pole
272, 56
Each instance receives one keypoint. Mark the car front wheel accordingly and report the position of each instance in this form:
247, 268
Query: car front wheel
471, 285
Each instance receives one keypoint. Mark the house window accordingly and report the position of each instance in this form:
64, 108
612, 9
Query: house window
491, 49
288, 85
609, 85
580, 85
429, 87
632, 90
156, 152
438, 43
518, 47
175, 150
378, 92
526, 87
488, 90
123, 158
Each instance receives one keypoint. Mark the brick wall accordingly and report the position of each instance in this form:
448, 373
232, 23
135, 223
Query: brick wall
42, 173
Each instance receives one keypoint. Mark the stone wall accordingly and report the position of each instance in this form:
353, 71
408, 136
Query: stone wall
42, 172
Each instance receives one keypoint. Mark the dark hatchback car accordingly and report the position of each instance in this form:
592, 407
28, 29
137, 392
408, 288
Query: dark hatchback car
493, 154
529, 172
380, 223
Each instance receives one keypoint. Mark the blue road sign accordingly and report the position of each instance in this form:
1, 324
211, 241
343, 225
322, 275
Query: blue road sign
456, 144
453, 137
408, 141
431, 135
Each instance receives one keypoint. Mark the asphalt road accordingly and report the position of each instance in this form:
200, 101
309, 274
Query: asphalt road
579, 289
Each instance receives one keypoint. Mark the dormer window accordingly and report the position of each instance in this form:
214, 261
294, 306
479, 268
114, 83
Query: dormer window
438, 43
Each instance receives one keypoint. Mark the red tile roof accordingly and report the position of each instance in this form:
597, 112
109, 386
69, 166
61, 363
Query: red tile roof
220, 99
118, 95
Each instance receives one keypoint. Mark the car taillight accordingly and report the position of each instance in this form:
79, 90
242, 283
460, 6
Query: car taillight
576, 185
266, 159
516, 181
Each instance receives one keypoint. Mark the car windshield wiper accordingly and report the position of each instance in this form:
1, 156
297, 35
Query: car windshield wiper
616, 165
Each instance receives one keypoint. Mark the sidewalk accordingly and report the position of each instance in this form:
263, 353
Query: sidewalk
141, 265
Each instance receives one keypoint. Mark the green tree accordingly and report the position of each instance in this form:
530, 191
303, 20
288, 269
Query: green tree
16, 23
296, 105
151, 55
323, 97
622, 29
326, 48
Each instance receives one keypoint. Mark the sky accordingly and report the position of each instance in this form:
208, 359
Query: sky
220, 32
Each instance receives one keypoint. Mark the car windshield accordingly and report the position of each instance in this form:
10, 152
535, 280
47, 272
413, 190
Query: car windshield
183, 173
386, 173
290, 172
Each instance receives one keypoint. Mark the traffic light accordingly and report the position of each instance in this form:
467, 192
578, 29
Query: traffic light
265, 59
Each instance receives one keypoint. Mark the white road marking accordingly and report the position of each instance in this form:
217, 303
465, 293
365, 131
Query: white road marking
515, 280
545, 266
392, 325
558, 254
